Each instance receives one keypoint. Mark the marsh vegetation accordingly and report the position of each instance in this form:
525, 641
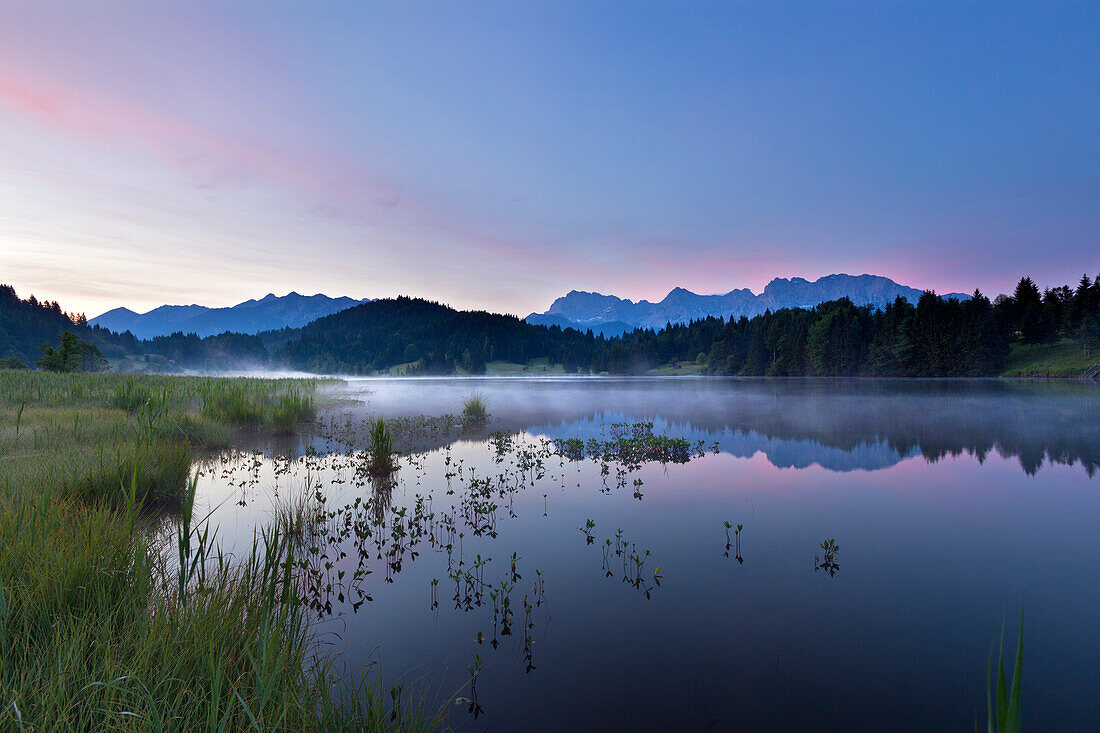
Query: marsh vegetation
496, 569
102, 626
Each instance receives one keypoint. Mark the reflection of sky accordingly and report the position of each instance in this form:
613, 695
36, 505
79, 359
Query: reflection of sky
937, 547
933, 556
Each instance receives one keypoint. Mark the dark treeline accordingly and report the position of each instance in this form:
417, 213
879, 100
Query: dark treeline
930, 338
432, 338
642, 349
27, 324
936, 337
223, 351
933, 337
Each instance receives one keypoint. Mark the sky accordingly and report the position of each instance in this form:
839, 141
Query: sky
498, 155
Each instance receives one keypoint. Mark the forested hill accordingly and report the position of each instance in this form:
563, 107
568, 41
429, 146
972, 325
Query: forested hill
430, 337
933, 337
25, 324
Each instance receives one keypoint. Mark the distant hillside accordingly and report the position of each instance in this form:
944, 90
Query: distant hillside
270, 313
24, 324
610, 315
429, 337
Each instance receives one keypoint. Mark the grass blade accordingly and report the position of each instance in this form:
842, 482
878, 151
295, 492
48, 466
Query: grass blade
1013, 717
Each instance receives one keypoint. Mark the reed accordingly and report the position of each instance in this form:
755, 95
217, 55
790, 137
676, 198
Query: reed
1004, 708
300, 518
380, 456
475, 409
98, 631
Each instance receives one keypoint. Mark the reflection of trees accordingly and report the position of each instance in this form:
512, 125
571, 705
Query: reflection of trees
381, 488
1036, 422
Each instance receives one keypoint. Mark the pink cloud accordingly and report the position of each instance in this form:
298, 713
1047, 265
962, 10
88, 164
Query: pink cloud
212, 160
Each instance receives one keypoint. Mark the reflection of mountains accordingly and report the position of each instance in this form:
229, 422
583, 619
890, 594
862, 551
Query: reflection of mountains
839, 424
780, 452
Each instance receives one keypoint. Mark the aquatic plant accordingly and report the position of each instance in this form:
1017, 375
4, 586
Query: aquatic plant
474, 670
571, 449
380, 458
589, 525
827, 561
1003, 713
300, 518
736, 546
475, 409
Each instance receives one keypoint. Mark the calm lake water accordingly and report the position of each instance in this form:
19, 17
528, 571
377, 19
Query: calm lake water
952, 504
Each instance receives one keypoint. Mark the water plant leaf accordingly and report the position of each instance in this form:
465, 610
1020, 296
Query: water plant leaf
1013, 716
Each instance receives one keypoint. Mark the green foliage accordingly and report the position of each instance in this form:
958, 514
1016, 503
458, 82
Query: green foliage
300, 518
1004, 712
630, 444
131, 395
380, 456
220, 352
12, 362
155, 470
237, 402
24, 324
835, 342
71, 355
94, 633
90, 642
934, 337
377, 335
475, 410
1064, 358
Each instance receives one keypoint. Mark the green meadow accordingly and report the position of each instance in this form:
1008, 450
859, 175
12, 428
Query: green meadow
117, 612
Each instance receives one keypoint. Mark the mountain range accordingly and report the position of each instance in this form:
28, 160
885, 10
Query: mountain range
603, 314
610, 315
269, 313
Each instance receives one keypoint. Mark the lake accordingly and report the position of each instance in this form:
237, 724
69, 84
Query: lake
945, 508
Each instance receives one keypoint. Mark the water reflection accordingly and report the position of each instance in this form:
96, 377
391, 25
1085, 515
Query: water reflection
538, 567
840, 425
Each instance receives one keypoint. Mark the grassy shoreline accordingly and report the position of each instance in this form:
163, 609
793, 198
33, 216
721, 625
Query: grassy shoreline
96, 630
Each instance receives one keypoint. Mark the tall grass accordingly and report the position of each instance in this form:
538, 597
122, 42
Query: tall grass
1004, 708
96, 631
300, 518
89, 640
475, 409
380, 458
239, 402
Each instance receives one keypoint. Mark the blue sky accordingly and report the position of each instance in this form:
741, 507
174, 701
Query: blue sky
499, 154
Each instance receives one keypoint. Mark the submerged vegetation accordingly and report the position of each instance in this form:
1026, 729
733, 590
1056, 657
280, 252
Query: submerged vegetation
98, 629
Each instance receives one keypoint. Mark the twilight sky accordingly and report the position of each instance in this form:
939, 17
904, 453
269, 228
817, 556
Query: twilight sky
497, 155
